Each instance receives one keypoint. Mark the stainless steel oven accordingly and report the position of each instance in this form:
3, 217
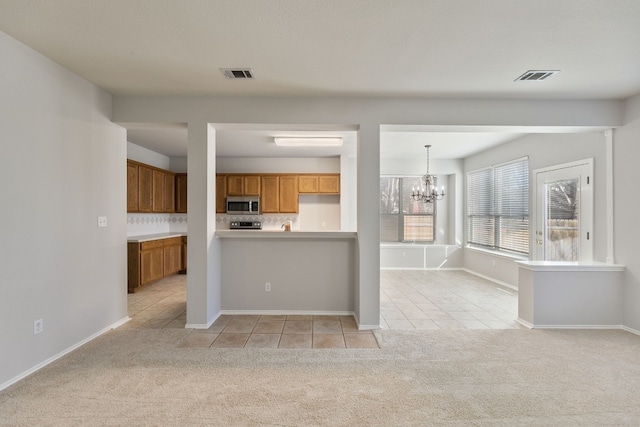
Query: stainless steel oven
247, 205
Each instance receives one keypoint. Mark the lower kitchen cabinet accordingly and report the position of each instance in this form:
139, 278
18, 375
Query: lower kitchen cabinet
152, 260
151, 265
172, 255
183, 266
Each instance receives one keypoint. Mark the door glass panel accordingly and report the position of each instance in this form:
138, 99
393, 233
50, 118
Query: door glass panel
562, 234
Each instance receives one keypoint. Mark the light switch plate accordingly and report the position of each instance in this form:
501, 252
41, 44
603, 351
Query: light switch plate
102, 221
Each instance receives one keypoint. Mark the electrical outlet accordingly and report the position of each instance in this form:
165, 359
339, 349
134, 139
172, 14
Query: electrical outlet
267, 287
493, 263
102, 221
404, 254
38, 326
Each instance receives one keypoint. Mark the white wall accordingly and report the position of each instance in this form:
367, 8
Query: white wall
178, 164
148, 157
62, 166
278, 165
306, 275
626, 154
543, 150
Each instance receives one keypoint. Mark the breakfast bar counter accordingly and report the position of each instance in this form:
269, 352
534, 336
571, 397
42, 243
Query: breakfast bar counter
293, 272
279, 234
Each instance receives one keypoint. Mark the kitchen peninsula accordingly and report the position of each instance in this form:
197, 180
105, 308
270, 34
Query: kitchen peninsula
288, 272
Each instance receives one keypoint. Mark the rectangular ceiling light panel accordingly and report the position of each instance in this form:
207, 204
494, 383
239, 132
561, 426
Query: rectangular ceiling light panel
308, 141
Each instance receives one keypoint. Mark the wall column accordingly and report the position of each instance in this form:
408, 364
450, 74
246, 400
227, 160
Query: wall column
367, 294
203, 262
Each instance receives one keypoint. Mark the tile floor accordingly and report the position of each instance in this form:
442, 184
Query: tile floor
163, 305
409, 300
285, 331
445, 299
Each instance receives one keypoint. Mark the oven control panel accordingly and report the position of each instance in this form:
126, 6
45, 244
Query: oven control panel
245, 225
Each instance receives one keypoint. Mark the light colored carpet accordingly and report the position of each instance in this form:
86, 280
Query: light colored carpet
452, 378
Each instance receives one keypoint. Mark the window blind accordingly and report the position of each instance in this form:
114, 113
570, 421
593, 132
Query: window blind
498, 207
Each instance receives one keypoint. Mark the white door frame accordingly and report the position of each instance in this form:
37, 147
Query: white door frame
586, 207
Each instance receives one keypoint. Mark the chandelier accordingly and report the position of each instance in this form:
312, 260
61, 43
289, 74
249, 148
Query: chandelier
427, 193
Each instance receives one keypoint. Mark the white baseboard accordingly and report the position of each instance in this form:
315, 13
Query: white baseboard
628, 329
421, 268
601, 327
203, 325
288, 312
499, 282
524, 323
63, 353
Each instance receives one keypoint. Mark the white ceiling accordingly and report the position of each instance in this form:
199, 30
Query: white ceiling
382, 48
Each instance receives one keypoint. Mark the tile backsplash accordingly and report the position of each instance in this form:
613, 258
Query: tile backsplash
269, 221
141, 223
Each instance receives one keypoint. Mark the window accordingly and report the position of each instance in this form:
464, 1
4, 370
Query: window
498, 207
402, 219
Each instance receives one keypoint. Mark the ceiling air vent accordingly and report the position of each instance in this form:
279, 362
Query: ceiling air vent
237, 73
537, 75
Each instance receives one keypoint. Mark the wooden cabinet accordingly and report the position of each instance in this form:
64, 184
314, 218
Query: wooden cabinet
150, 189
288, 194
252, 185
235, 185
183, 266
278, 193
172, 255
145, 189
308, 184
243, 185
319, 184
181, 193
169, 192
221, 193
158, 191
329, 184
270, 194
151, 261
132, 187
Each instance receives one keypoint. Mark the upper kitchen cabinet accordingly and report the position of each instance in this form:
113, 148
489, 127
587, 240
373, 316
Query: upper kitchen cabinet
158, 191
270, 194
150, 189
319, 184
243, 185
181, 193
288, 194
169, 192
221, 193
329, 184
145, 189
132, 187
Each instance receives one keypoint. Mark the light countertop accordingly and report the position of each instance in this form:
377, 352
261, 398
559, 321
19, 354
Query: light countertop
279, 234
157, 236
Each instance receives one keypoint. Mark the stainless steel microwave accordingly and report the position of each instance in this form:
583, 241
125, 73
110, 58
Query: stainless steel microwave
247, 205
